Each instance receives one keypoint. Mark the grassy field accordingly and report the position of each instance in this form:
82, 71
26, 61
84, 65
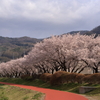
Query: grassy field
15, 93
71, 87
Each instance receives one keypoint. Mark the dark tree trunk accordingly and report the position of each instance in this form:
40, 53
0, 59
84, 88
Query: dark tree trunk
96, 70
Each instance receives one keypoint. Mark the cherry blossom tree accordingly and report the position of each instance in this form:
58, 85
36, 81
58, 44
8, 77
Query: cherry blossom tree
71, 53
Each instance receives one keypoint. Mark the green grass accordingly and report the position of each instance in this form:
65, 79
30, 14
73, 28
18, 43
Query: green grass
70, 87
15, 93
37, 96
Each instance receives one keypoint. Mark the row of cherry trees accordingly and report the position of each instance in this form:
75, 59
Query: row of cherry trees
71, 53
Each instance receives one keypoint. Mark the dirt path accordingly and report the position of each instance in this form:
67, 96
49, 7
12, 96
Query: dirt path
51, 94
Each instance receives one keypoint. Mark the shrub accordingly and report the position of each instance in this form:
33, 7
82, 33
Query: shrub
26, 77
95, 78
46, 77
58, 78
79, 78
87, 78
36, 76
71, 77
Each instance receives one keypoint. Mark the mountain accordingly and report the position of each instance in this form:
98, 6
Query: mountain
12, 48
96, 31
81, 32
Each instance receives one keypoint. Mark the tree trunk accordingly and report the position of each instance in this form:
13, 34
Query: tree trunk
96, 70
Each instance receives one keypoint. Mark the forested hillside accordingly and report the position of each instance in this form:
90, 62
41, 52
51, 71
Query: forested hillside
96, 31
81, 32
12, 48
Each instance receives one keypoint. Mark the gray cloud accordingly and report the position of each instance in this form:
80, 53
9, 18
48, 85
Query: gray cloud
43, 18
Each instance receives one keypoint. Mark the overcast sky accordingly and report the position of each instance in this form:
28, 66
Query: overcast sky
44, 18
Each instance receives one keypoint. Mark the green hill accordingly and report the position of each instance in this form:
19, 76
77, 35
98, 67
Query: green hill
12, 48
